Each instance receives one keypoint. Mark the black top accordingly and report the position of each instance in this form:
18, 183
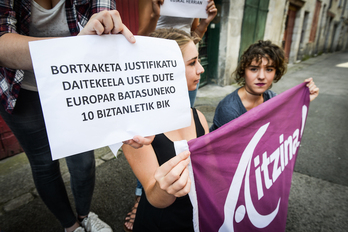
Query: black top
177, 216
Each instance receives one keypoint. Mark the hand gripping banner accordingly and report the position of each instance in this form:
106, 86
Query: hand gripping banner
242, 171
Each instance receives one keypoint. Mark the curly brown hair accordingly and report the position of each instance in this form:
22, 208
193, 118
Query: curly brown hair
262, 49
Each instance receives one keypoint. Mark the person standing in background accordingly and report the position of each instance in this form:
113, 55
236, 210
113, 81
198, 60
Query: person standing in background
150, 19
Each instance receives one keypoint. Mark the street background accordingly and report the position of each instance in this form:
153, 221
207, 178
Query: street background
319, 192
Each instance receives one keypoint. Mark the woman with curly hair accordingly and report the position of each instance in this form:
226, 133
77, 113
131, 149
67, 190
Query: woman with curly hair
261, 65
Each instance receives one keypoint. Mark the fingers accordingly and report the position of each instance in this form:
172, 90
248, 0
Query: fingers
128, 34
313, 89
182, 186
106, 22
119, 27
211, 8
173, 176
311, 85
143, 140
132, 143
100, 23
139, 141
175, 161
308, 79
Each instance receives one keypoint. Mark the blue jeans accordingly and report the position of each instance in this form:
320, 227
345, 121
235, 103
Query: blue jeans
27, 124
138, 189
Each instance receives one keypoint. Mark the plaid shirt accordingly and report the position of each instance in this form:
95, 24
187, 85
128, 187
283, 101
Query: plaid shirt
15, 18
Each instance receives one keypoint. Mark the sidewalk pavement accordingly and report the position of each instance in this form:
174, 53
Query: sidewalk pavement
22, 210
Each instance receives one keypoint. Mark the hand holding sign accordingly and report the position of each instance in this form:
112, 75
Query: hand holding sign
200, 26
204, 9
100, 90
139, 141
150, 11
211, 11
107, 22
185, 8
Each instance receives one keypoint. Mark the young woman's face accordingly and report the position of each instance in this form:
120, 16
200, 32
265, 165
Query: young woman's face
259, 77
193, 69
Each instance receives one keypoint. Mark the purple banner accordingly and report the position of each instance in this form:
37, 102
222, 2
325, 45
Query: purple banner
242, 171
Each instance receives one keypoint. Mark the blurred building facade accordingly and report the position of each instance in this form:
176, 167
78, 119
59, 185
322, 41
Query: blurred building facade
303, 28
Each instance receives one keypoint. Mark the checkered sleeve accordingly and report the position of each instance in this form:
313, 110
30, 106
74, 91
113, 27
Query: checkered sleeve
9, 78
7, 18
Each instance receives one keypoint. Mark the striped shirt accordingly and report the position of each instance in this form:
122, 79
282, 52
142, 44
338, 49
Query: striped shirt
15, 18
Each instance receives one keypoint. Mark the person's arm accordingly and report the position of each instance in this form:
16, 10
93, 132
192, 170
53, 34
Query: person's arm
313, 89
106, 22
162, 184
149, 13
14, 51
14, 48
199, 27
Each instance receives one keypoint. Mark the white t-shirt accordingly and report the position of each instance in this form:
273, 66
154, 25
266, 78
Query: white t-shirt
45, 23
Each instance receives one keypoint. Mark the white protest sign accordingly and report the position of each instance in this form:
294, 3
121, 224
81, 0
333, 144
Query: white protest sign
100, 90
185, 8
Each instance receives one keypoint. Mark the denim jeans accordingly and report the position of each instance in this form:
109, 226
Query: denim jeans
27, 124
138, 189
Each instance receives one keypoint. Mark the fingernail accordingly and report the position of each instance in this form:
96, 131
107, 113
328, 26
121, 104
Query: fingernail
132, 39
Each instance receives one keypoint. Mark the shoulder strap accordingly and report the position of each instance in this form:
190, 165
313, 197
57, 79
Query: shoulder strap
199, 127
